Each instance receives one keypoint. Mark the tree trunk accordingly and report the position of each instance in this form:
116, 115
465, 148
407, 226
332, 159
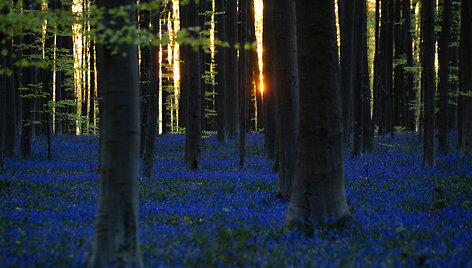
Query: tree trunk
193, 141
429, 81
243, 60
398, 82
269, 97
145, 77
220, 78
11, 125
376, 115
116, 230
347, 62
318, 191
358, 79
386, 47
409, 76
443, 114
148, 156
232, 111
286, 70
466, 71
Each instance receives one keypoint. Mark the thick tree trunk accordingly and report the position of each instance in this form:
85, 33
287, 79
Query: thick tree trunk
286, 70
386, 47
269, 97
318, 191
398, 82
443, 114
358, 78
429, 81
466, 71
193, 141
220, 77
232, 111
116, 230
145, 79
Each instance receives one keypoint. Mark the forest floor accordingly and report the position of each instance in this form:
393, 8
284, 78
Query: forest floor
222, 216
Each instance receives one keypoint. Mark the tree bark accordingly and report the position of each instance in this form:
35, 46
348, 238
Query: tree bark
232, 111
466, 71
443, 42
193, 141
243, 77
358, 79
409, 75
429, 82
318, 191
116, 230
220, 77
286, 70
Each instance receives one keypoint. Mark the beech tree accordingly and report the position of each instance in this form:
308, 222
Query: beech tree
220, 77
116, 230
466, 71
232, 112
318, 191
243, 80
286, 71
429, 81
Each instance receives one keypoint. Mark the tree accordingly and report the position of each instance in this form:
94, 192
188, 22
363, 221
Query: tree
286, 70
318, 190
347, 13
409, 83
243, 80
443, 114
193, 143
429, 82
359, 73
220, 77
466, 70
232, 112
386, 48
148, 157
116, 231
269, 98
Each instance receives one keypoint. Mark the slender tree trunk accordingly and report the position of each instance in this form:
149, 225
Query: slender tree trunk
145, 78
10, 105
409, 76
443, 114
376, 115
318, 191
193, 141
398, 82
358, 79
386, 35
116, 231
220, 77
148, 157
232, 111
429, 82
454, 66
3, 95
347, 62
466, 71
269, 94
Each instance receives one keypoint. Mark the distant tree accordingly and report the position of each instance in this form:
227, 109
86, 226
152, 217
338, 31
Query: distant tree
116, 231
153, 112
243, 79
443, 114
286, 71
11, 124
232, 111
398, 94
466, 71
220, 77
358, 75
269, 100
377, 110
3, 95
429, 81
347, 22
193, 141
318, 191
409, 76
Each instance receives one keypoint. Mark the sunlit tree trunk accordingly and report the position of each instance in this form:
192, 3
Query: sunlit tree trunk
270, 95
466, 71
220, 77
377, 115
116, 231
429, 81
318, 191
286, 71
443, 114
193, 141
232, 111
